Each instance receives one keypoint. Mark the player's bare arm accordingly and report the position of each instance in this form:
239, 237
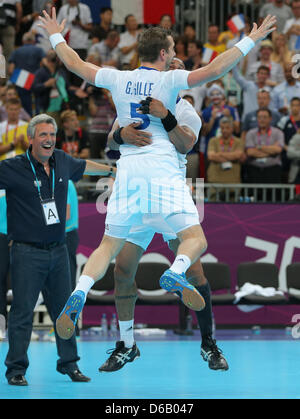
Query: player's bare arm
129, 135
229, 59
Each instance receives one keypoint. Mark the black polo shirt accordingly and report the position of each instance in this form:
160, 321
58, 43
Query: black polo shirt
25, 218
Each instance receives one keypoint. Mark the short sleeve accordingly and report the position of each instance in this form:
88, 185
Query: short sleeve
187, 116
106, 78
250, 139
212, 146
76, 167
176, 79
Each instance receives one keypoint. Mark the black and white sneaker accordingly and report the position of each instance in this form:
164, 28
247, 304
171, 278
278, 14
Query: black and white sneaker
213, 355
119, 357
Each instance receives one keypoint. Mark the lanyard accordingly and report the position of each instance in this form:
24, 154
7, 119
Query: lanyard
268, 138
15, 133
294, 123
37, 181
230, 144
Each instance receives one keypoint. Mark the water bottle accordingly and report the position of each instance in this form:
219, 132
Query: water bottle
104, 327
113, 325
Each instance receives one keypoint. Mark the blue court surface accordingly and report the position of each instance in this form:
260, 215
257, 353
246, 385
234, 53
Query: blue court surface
264, 365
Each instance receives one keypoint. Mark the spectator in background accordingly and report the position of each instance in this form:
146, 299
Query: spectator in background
27, 57
292, 26
101, 31
72, 139
102, 111
72, 236
290, 125
281, 53
11, 92
108, 50
128, 42
279, 9
189, 32
10, 24
250, 88
213, 39
194, 53
263, 147
224, 154
13, 132
276, 71
49, 86
166, 22
215, 112
250, 121
4, 260
41, 38
293, 154
78, 26
286, 91
181, 48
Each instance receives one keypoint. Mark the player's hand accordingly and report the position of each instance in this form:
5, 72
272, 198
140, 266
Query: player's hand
131, 135
267, 27
153, 107
50, 24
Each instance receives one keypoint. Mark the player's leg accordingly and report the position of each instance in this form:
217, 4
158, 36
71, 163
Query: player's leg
192, 245
209, 349
94, 270
125, 298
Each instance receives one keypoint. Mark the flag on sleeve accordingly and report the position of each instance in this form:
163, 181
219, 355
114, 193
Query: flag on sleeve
209, 55
297, 45
22, 78
145, 11
236, 23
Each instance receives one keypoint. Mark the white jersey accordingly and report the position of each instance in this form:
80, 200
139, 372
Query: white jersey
128, 88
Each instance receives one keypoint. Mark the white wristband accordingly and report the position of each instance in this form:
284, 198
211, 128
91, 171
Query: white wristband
245, 45
55, 39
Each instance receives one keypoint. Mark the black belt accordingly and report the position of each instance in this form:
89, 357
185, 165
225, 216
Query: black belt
42, 246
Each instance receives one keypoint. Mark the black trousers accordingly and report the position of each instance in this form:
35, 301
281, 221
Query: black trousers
4, 269
32, 271
72, 241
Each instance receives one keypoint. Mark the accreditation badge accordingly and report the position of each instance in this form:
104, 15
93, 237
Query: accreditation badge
50, 212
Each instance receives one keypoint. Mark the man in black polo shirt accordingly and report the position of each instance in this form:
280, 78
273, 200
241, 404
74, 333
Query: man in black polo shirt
36, 185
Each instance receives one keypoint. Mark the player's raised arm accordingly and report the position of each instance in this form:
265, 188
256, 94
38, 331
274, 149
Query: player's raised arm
67, 55
226, 61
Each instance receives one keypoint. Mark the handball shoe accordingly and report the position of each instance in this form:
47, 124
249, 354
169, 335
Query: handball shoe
213, 355
66, 322
119, 357
175, 283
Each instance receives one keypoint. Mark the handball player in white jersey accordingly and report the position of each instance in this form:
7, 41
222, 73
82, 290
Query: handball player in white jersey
184, 138
128, 89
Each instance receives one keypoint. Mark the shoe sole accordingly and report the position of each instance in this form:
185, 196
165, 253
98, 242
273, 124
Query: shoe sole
190, 297
65, 327
136, 357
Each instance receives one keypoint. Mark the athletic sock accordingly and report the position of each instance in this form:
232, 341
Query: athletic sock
84, 284
205, 316
181, 264
126, 333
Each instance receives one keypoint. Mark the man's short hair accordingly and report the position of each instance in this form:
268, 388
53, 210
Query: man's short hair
127, 17
263, 68
40, 119
14, 101
198, 43
151, 41
295, 98
264, 110
105, 9
226, 120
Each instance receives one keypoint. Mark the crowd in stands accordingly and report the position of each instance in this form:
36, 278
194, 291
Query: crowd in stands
250, 118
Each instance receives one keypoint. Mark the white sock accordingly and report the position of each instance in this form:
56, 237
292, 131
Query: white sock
181, 264
126, 333
84, 284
